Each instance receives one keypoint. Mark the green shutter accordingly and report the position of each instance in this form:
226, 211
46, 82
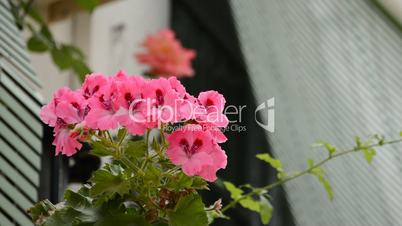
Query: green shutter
20, 126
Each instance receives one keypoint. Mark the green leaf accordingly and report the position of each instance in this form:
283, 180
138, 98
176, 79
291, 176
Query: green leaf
213, 214
160, 224
250, 204
46, 34
330, 148
152, 175
88, 5
100, 149
199, 183
180, 181
73, 52
81, 69
265, 210
380, 139
275, 163
41, 211
108, 182
358, 141
310, 163
114, 212
189, 210
68, 216
61, 59
70, 57
321, 176
123, 220
369, 154
76, 200
35, 44
33, 13
236, 193
135, 149
282, 175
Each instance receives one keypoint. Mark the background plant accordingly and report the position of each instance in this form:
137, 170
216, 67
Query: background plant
41, 40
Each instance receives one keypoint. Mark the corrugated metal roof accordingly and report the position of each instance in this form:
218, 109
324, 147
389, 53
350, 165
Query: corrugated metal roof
334, 68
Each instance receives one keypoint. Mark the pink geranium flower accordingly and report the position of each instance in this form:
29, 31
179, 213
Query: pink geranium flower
103, 111
219, 161
66, 141
196, 152
182, 103
165, 55
94, 84
65, 110
67, 105
105, 103
131, 113
48, 112
213, 103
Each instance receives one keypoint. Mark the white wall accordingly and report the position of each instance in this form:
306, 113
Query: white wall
118, 28
49, 75
109, 38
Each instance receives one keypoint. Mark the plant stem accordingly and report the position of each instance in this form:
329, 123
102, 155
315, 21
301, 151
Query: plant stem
131, 165
109, 136
147, 137
279, 182
122, 138
163, 139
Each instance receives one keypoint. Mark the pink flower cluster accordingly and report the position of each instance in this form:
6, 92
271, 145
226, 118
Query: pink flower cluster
138, 104
165, 55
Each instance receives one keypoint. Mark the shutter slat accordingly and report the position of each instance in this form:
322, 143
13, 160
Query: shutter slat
20, 146
23, 113
22, 164
15, 213
21, 129
20, 181
4, 221
16, 196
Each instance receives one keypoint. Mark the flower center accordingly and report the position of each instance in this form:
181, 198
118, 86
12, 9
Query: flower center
86, 110
75, 105
106, 103
209, 103
159, 97
88, 94
190, 150
128, 97
96, 88
60, 122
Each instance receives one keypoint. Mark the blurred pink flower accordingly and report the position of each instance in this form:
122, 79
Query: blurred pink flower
165, 55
